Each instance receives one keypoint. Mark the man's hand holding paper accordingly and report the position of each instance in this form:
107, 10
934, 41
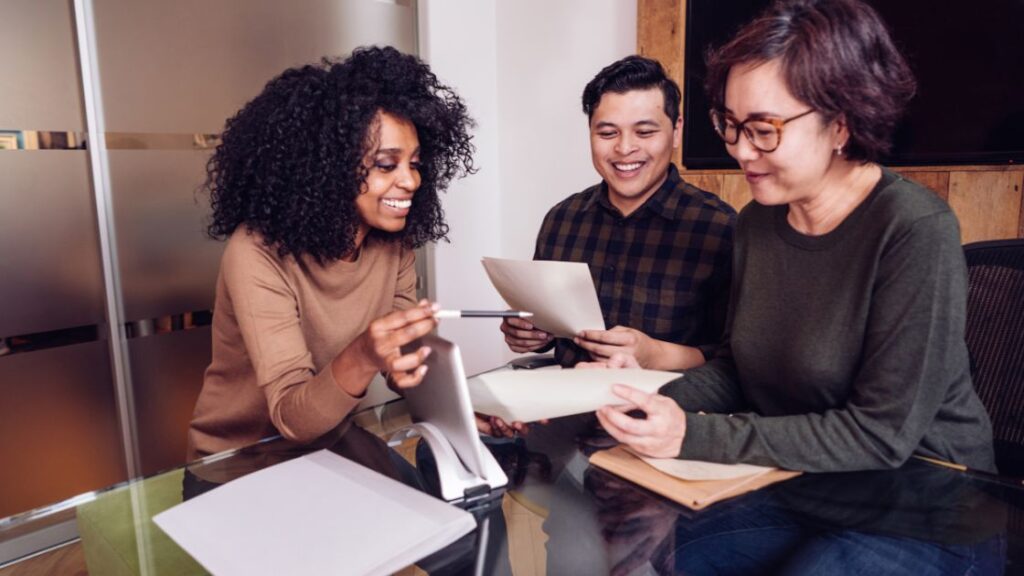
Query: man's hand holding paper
523, 337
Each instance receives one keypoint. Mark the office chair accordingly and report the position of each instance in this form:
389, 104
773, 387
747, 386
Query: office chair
995, 341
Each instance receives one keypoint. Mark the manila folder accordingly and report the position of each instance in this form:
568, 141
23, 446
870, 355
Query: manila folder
694, 494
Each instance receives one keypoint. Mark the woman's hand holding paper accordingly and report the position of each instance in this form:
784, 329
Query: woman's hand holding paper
660, 435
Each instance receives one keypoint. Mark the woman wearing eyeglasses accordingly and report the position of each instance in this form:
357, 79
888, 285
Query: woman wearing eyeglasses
845, 338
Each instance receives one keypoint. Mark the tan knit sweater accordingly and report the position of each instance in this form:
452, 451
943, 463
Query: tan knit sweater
277, 325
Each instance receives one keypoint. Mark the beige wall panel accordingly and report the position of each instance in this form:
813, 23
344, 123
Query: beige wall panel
185, 66
39, 67
59, 425
710, 182
167, 374
49, 248
736, 191
167, 263
937, 182
988, 204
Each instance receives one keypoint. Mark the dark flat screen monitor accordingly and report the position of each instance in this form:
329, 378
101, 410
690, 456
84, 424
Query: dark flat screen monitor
968, 58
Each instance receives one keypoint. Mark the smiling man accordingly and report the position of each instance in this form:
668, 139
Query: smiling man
659, 249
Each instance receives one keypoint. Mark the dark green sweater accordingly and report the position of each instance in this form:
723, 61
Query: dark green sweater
843, 351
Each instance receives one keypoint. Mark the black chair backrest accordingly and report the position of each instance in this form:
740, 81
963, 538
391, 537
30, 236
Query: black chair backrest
995, 340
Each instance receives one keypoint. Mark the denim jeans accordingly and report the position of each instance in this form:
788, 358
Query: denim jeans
751, 535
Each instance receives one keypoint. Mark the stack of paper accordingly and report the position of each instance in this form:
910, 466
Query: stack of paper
531, 395
318, 514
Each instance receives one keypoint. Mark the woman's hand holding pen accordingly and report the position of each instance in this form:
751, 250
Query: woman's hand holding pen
522, 336
379, 348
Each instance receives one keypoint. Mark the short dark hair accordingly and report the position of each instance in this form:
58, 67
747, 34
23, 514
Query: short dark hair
290, 162
837, 57
632, 73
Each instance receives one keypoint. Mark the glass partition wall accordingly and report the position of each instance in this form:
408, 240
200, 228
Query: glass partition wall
109, 110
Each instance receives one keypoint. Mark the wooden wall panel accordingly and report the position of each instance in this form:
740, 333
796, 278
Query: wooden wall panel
660, 34
988, 204
937, 181
1020, 231
736, 191
710, 182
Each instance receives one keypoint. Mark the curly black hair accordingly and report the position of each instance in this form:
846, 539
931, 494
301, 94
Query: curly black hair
290, 162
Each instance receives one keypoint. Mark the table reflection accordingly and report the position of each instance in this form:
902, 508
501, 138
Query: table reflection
919, 519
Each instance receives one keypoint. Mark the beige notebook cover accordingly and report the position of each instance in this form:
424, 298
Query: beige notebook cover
695, 494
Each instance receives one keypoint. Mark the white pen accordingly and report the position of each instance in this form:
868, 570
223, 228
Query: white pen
482, 314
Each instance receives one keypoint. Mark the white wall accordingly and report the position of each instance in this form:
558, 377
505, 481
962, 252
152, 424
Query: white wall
547, 52
521, 66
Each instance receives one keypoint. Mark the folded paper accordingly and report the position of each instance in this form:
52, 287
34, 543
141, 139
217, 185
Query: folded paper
531, 395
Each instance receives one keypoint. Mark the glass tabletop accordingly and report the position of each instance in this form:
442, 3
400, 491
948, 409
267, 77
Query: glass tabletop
560, 515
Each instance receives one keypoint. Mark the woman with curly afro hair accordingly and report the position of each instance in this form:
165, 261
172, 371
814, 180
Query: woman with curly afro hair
323, 185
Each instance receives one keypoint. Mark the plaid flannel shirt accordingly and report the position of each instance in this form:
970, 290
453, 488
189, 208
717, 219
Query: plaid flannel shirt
663, 270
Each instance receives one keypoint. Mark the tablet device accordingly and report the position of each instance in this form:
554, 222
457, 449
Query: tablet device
442, 399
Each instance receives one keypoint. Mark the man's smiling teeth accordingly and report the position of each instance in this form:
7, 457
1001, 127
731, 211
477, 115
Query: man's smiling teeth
627, 167
400, 204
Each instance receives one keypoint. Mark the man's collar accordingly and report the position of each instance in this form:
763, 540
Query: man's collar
661, 202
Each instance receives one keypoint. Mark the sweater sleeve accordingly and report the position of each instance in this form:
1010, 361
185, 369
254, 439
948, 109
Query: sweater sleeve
405, 287
713, 387
913, 348
718, 303
303, 404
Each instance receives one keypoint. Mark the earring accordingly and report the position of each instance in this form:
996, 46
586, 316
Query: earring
839, 150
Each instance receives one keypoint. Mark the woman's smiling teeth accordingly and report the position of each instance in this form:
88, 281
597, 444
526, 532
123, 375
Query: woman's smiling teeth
399, 204
630, 167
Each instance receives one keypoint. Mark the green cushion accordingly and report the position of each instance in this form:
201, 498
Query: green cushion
119, 536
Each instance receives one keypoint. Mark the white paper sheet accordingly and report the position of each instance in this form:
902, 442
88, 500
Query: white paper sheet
531, 395
701, 470
561, 295
318, 514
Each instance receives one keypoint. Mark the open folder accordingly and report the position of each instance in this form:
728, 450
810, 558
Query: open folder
694, 494
318, 514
